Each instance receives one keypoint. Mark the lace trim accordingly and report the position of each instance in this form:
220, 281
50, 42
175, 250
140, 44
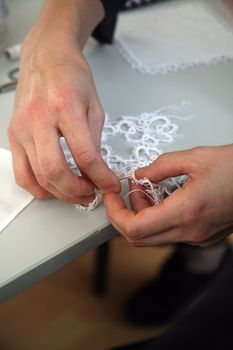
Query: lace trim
143, 135
135, 63
91, 206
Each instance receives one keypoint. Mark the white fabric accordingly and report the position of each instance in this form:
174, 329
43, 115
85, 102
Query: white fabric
172, 36
13, 199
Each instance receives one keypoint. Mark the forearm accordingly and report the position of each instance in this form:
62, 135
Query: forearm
75, 17
66, 22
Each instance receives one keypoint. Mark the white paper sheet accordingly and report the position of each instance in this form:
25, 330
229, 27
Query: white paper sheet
13, 199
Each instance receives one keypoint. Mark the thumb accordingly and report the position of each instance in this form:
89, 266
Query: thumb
167, 165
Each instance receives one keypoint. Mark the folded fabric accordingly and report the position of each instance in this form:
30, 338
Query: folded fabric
172, 36
13, 199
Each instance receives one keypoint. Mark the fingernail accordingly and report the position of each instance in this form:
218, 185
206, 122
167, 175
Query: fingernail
87, 200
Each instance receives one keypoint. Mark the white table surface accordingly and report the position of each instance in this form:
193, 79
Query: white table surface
49, 234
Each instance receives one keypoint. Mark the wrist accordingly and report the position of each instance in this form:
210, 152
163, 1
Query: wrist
76, 19
63, 23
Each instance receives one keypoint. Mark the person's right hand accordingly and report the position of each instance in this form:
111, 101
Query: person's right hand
198, 213
56, 96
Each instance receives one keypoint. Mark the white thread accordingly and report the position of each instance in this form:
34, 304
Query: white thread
92, 205
137, 190
154, 191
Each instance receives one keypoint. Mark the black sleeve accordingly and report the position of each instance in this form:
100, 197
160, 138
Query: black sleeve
104, 32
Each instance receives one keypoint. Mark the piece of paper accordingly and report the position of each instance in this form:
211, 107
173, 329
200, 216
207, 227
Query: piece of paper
13, 199
173, 35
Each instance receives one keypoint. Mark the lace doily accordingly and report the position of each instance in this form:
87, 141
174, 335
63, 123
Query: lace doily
172, 36
141, 138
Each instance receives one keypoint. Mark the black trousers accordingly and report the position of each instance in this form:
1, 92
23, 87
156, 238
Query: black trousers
207, 325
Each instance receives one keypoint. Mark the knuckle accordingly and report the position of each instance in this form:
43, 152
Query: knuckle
22, 180
64, 102
40, 195
51, 172
86, 158
34, 108
132, 234
68, 115
162, 159
193, 212
60, 102
42, 181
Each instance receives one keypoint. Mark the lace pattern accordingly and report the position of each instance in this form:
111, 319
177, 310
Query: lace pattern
143, 135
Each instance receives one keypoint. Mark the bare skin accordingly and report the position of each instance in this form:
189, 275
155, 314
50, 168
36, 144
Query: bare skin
56, 96
200, 213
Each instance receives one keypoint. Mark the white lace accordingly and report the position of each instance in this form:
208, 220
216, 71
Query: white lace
135, 62
173, 36
143, 135
157, 192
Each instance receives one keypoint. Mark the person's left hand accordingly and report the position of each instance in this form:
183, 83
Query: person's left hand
200, 213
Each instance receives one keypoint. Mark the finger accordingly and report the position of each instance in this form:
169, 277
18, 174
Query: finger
171, 236
87, 156
140, 236
115, 206
137, 196
55, 170
167, 165
23, 172
96, 119
33, 159
145, 223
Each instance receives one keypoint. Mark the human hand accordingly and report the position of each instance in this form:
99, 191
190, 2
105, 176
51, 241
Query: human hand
55, 97
200, 213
